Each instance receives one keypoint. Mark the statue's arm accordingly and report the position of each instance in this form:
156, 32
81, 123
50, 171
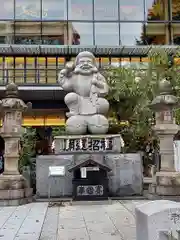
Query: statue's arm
65, 80
102, 85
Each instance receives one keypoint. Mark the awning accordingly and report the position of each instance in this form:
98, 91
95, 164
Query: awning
64, 50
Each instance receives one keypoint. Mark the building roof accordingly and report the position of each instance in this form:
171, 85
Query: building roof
64, 50
86, 162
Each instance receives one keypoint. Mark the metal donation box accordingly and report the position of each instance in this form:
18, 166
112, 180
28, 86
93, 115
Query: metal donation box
90, 181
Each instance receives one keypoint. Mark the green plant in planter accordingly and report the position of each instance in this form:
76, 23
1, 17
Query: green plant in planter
27, 147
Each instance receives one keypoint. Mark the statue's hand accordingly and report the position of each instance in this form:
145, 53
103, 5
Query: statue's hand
62, 73
61, 76
67, 71
69, 67
94, 81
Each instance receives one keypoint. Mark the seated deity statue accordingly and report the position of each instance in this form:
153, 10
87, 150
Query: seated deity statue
86, 88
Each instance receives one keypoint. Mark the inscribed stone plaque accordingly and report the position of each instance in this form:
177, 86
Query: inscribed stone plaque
87, 144
90, 190
11, 146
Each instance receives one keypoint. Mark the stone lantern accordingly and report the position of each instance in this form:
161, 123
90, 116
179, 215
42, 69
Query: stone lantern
167, 181
13, 186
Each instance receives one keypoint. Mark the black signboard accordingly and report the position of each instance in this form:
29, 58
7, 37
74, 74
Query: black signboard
88, 145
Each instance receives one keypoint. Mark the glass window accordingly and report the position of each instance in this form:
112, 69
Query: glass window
107, 34
25, 9
7, 31
80, 10
7, 10
175, 6
30, 39
54, 33
55, 9
132, 10
156, 10
2, 39
131, 33
21, 70
80, 33
155, 33
106, 11
176, 40
176, 33
27, 32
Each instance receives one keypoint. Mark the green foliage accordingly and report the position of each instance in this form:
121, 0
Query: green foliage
27, 148
129, 96
164, 67
58, 131
132, 90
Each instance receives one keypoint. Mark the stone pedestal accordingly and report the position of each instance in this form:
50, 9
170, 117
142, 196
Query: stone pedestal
14, 189
167, 181
125, 179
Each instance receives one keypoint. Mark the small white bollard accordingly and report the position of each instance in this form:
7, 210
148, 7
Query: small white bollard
156, 216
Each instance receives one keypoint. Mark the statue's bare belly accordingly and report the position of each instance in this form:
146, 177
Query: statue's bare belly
83, 87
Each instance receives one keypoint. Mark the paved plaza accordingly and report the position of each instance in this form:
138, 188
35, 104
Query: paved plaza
37, 221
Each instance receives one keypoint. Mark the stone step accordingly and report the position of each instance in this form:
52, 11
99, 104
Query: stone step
15, 202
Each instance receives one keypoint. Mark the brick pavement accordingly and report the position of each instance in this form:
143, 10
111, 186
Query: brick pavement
78, 222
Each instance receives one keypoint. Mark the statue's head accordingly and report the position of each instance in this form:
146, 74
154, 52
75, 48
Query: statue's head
85, 63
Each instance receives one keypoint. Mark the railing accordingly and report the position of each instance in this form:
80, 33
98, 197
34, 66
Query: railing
44, 70
30, 70
29, 76
40, 64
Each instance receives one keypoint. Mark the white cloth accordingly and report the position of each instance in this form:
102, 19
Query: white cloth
122, 142
53, 145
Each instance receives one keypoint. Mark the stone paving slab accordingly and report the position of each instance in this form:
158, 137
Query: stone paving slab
37, 221
32, 225
50, 224
23, 222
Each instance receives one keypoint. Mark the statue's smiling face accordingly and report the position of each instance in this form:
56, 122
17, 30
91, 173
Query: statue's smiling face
85, 66
86, 63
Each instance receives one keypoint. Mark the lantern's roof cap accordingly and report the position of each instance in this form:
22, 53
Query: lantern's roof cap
11, 90
165, 87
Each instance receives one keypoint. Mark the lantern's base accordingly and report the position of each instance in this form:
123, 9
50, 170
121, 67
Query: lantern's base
14, 190
165, 184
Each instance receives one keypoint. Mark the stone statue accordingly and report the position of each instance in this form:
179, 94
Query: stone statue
86, 87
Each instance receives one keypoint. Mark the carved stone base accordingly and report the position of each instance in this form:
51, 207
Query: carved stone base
14, 190
166, 184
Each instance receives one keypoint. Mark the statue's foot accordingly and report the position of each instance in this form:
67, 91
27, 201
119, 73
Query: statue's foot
76, 125
98, 124
102, 106
70, 114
